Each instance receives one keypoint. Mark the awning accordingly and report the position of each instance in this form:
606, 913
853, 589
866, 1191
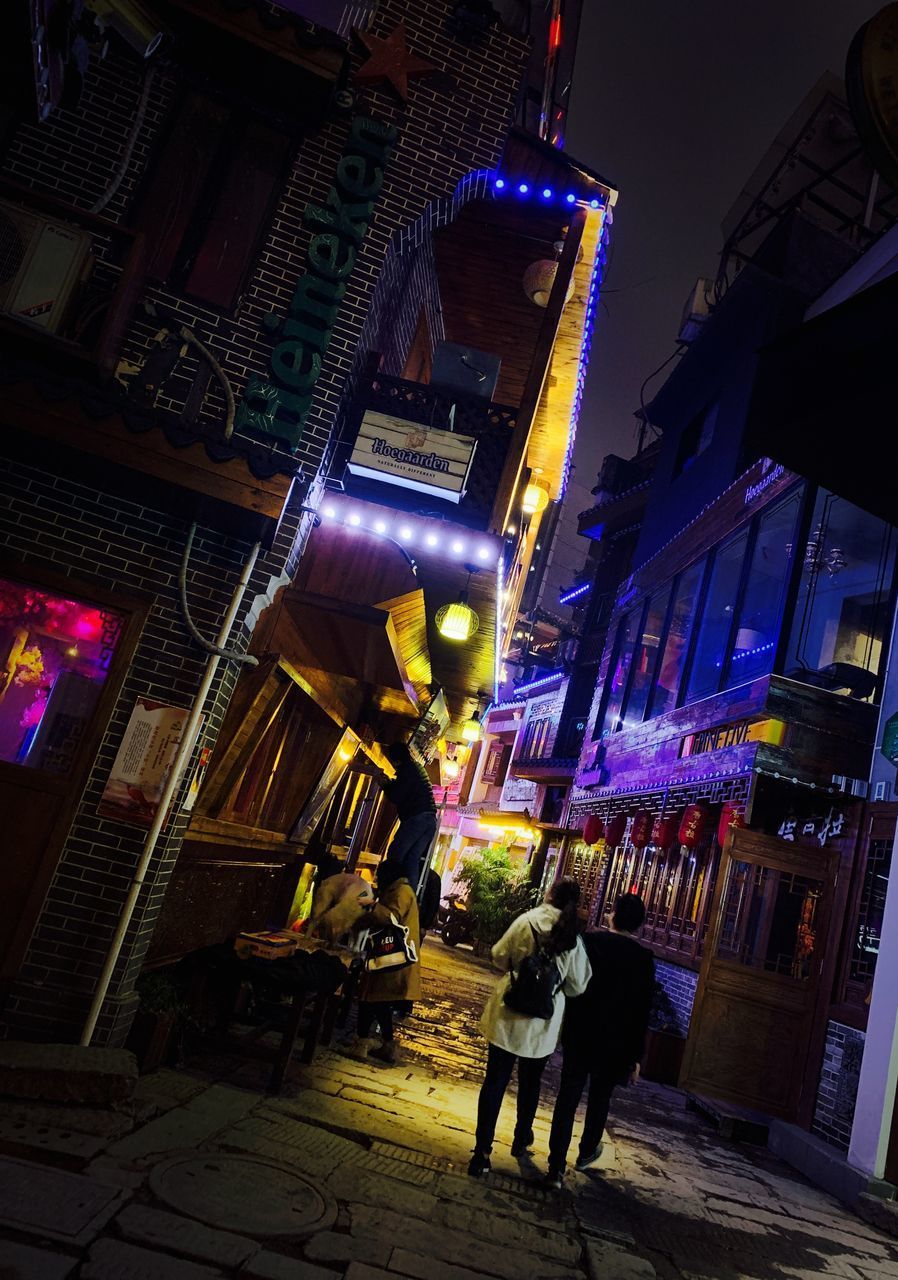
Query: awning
353, 564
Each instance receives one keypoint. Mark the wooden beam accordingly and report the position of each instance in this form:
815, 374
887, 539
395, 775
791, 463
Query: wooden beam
517, 452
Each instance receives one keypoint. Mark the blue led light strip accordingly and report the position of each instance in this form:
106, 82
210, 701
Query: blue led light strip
535, 684
521, 189
585, 346
567, 596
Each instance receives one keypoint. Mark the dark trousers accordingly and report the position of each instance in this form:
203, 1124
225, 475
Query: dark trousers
371, 1011
411, 844
576, 1069
499, 1066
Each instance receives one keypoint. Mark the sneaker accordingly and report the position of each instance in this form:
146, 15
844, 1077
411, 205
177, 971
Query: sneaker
521, 1149
479, 1165
387, 1053
358, 1047
554, 1180
586, 1161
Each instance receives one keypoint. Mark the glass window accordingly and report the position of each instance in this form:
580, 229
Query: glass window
839, 625
871, 911
623, 661
676, 643
645, 657
769, 920
56, 655
758, 626
716, 620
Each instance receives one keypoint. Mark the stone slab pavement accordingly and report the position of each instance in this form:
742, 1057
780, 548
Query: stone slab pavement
382, 1152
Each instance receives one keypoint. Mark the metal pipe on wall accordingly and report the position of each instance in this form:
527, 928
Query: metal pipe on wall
185, 750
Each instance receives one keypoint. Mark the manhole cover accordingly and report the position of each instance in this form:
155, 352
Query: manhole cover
243, 1193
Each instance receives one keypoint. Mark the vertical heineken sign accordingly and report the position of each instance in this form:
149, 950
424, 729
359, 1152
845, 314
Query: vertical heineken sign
279, 404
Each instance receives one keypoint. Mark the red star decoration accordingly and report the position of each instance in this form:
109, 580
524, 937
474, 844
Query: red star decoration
391, 61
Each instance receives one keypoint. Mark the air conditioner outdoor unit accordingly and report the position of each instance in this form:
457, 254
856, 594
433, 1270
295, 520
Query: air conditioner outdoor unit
41, 262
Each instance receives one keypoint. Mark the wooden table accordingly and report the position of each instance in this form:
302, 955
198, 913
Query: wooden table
323, 1008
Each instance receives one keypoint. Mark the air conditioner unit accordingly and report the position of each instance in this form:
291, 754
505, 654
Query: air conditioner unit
41, 262
882, 790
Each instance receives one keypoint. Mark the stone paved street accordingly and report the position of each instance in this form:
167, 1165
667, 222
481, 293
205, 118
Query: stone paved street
357, 1171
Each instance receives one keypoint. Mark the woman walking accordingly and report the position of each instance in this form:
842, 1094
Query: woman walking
544, 961
381, 989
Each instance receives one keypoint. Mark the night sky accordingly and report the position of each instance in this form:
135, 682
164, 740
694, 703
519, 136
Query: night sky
676, 104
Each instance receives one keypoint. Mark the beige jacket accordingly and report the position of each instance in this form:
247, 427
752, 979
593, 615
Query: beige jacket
518, 1033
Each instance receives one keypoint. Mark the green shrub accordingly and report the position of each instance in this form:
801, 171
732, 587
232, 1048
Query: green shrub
497, 891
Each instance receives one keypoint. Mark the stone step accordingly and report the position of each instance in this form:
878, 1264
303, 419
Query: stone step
730, 1121
66, 1073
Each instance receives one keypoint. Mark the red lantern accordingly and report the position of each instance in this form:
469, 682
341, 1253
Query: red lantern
692, 825
664, 831
614, 830
593, 829
641, 828
732, 814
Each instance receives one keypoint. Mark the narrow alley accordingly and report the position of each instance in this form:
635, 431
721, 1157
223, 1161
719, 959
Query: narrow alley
359, 1171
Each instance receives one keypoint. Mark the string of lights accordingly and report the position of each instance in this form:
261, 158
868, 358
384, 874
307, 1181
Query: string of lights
431, 535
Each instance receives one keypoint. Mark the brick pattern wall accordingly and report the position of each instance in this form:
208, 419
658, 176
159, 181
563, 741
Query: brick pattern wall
837, 1091
453, 126
679, 987
98, 539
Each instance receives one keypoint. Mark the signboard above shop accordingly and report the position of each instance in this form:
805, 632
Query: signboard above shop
414, 456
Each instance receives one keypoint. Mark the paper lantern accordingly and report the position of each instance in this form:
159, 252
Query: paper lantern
538, 281
535, 499
457, 621
732, 814
614, 830
664, 831
593, 829
692, 825
641, 828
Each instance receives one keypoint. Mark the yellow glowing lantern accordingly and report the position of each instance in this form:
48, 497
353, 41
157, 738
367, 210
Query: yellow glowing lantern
451, 769
535, 499
345, 754
470, 730
457, 621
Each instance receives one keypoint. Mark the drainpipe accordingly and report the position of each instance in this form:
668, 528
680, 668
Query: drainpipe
185, 750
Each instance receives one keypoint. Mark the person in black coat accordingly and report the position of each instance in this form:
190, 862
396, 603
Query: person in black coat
410, 791
603, 1038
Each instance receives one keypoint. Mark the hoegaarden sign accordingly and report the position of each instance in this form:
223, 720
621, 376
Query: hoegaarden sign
279, 404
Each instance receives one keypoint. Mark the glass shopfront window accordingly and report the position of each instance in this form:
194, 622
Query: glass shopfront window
717, 620
56, 653
759, 614
620, 678
676, 643
645, 658
839, 624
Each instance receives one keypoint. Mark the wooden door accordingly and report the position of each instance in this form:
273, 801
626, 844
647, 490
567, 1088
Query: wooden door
761, 996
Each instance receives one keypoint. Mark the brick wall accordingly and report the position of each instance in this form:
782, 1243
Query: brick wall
679, 986
98, 539
837, 1091
452, 127
453, 124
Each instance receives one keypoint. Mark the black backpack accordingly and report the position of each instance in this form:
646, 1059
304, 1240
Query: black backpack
532, 989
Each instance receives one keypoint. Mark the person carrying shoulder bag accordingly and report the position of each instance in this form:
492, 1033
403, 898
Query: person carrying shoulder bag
382, 988
544, 961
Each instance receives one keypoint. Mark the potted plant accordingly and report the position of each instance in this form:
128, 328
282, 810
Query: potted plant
161, 1012
496, 892
664, 1042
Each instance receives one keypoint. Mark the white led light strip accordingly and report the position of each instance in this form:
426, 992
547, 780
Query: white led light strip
432, 535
